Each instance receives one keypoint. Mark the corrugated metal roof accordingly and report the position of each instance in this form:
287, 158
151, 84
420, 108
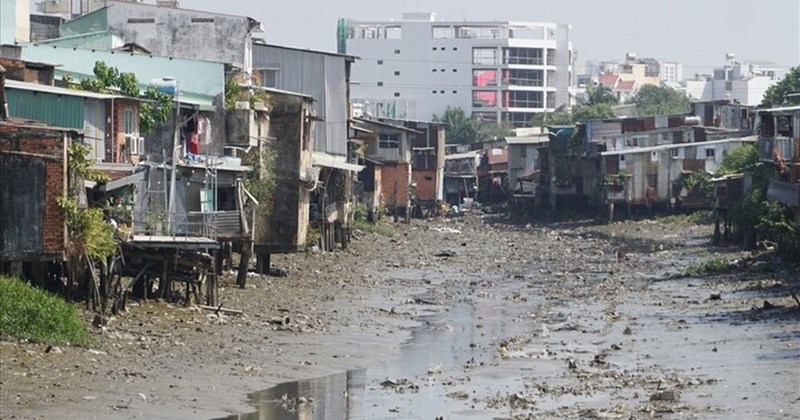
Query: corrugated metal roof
748, 139
528, 139
337, 162
14, 84
61, 110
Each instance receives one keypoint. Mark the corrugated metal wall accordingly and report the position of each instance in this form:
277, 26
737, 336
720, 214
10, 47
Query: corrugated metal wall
319, 75
61, 111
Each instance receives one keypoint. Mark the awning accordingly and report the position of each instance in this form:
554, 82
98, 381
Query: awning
335, 162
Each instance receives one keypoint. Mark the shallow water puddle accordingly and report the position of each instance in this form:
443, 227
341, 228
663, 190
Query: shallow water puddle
434, 375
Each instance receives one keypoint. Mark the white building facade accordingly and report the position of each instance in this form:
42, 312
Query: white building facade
744, 83
495, 71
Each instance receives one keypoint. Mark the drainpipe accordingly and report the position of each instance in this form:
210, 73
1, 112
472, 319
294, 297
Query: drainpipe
3, 103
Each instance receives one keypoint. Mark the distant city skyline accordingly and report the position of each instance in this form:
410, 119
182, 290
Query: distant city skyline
697, 34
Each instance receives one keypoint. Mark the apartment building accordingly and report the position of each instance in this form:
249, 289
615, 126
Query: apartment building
496, 71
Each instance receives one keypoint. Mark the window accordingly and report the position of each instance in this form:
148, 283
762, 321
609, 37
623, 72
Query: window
710, 153
523, 151
483, 78
141, 20
443, 70
441, 91
434, 92
269, 77
484, 99
674, 153
455, 91
380, 62
130, 122
380, 83
455, 70
388, 141
518, 119
522, 77
397, 94
455, 48
397, 51
434, 48
202, 20
434, 70
527, 56
484, 56
522, 99
397, 73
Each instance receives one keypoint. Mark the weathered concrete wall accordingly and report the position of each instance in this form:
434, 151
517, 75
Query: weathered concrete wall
282, 224
184, 33
32, 224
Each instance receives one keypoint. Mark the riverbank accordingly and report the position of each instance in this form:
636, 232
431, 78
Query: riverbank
481, 317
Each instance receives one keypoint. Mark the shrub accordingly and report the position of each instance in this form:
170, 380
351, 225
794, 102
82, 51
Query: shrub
33, 314
711, 266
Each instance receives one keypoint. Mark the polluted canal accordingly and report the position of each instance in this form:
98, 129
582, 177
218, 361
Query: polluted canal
575, 321
463, 318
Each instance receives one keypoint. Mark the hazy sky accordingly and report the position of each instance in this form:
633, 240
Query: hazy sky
697, 33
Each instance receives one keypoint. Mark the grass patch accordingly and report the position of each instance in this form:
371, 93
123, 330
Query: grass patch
33, 314
699, 217
378, 228
711, 266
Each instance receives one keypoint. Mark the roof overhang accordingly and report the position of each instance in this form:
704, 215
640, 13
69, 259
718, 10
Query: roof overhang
335, 162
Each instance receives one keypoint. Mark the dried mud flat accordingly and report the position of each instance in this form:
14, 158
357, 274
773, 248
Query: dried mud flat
459, 318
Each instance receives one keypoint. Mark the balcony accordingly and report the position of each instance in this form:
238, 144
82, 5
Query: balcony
784, 192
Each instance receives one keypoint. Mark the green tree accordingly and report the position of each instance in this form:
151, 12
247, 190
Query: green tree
561, 116
584, 113
653, 100
460, 128
491, 129
153, 113
599, 94
779, 93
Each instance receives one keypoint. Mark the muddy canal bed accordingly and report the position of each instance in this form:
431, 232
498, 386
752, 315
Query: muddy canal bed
460, 318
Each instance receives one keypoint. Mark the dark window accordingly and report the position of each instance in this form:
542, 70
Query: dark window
380, 62
202, 20
396, 73
380, 83
434, 48
434, 70
455, 48
141, 20
388, 141
455, 91
710, 153
397, 51
269, 77
397, 94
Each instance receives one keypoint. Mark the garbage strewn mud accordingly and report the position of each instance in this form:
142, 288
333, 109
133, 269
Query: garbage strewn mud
459, 318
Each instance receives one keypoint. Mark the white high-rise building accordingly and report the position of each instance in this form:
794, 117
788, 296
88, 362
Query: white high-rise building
496, 71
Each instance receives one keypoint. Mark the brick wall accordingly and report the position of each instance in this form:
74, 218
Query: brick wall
50, 146
426, 185
394, 183
27, 72
115, 130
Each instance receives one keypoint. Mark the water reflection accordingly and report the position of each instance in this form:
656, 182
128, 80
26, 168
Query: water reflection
325, 398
